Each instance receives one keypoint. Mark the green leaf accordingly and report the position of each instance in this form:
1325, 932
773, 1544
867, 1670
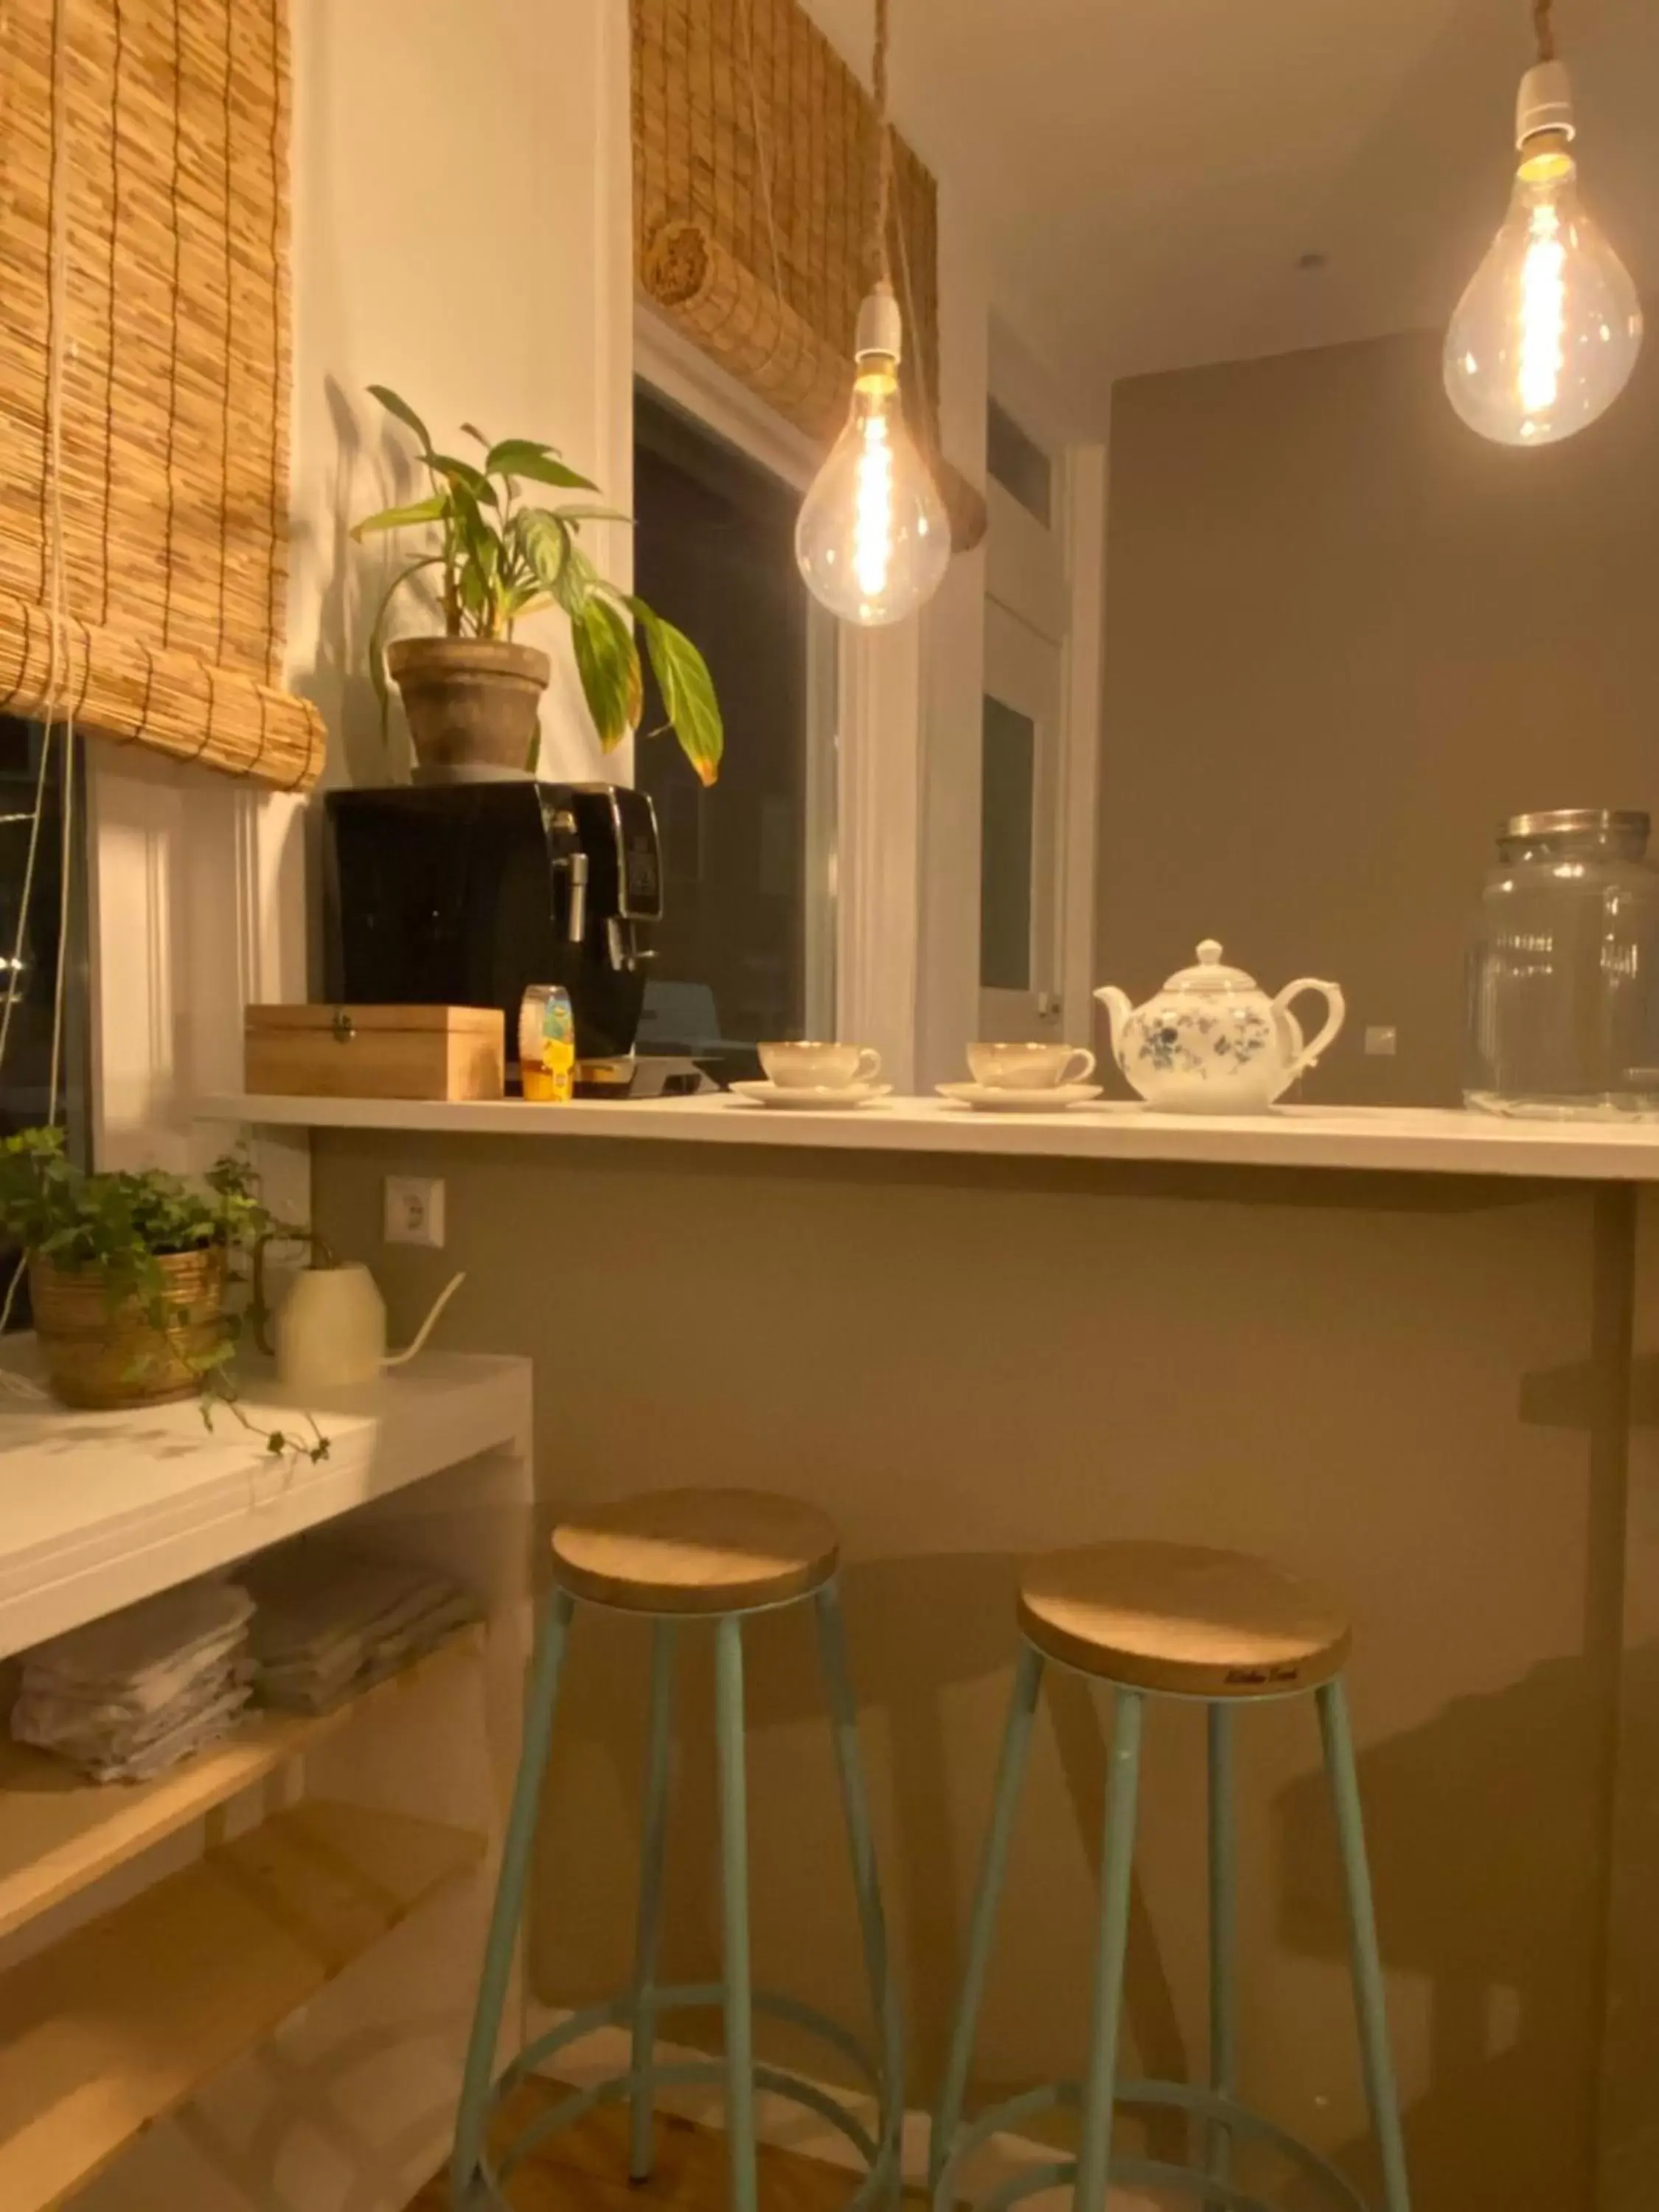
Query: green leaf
463, 472
574, 515
524, 457
608, 662
547, 546
404, 413
688, 692
402, 517
476, 434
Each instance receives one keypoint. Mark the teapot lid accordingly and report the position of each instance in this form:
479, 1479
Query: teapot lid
1210, 974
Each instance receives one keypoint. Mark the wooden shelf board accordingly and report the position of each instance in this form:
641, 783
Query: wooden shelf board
107, 2031
58, 1833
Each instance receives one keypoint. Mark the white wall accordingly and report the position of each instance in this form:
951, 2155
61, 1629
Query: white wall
462, 231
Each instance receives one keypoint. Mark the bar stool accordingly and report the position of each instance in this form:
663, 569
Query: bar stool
677, 1557
1171, 1620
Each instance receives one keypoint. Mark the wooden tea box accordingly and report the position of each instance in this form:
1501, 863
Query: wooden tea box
376, 1052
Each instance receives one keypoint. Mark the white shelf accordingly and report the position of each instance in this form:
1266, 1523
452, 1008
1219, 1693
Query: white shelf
100, 1510
1423, 1141
116, 2026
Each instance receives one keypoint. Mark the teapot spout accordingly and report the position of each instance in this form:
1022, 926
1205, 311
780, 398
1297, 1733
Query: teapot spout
1118, 1010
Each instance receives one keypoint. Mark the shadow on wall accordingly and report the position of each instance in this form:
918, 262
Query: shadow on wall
1474, 1852
348, 582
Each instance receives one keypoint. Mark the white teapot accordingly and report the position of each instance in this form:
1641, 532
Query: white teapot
1211, 1043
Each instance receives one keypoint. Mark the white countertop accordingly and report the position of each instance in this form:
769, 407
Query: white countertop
98, 1509
1417, 1140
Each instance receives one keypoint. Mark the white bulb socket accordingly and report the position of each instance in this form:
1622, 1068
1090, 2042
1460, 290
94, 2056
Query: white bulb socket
881, 326
1545, 104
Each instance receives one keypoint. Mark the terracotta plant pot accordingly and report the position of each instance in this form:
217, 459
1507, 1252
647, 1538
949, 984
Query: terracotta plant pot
470, 703
99, 1354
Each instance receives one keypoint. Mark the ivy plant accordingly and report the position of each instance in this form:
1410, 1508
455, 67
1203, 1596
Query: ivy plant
122, 1223
499, 557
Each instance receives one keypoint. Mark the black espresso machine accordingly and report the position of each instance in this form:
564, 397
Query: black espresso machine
463, 894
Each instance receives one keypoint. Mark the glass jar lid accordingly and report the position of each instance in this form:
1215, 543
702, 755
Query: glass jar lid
1578, 822
1210, 974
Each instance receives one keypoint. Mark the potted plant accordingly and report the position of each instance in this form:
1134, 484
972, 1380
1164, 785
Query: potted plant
127, 1271
472, 696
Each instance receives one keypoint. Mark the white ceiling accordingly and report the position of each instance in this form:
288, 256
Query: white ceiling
1147, 172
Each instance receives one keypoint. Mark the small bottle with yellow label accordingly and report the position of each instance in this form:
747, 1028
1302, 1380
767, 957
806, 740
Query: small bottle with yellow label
547, 1044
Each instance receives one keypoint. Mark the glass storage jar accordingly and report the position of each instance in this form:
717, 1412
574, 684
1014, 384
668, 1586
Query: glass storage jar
1564, 970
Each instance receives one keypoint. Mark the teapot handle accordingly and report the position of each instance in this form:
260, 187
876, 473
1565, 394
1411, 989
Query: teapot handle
1332, 995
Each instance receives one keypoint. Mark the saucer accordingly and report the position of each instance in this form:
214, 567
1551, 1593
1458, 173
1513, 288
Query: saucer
1003, 1098
836, 1097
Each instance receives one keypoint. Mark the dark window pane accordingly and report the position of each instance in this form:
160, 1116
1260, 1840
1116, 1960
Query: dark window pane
1018, 464
715, 553
28, 958
1004, 851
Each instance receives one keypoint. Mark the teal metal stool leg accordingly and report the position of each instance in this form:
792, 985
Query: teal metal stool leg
734, 1903
1369, 2005
1224, 1879
649, 1923
1118, 1860
473, 2121
1011, 1772
855, 1805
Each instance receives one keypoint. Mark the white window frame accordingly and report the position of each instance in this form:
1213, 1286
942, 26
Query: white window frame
1076, 440
196, 910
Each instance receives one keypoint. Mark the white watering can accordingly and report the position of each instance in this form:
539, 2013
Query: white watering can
330, 1330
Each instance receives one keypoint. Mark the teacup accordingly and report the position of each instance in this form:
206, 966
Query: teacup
820, 1067
1029, 1066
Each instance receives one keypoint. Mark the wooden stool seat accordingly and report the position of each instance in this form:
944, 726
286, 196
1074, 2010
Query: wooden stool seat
696, 1551
1181, 1618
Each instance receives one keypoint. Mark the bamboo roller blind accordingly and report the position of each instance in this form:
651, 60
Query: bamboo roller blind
755, 152
174, 380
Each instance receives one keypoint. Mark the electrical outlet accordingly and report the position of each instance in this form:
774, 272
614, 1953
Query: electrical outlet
1381, 1042
415, 1211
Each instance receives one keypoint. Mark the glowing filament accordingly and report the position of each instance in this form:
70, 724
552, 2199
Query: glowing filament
872, 505
1543, 312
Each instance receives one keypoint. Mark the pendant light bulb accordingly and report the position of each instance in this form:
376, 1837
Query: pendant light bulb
872, 539
1546, 336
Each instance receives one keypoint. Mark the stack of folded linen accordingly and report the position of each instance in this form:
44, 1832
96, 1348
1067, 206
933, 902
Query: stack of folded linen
330, 1621
128, 1696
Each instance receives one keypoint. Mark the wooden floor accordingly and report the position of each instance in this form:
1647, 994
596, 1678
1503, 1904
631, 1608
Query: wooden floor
585, 2169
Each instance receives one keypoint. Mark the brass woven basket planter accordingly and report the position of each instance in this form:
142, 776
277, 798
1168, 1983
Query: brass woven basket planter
99, 1355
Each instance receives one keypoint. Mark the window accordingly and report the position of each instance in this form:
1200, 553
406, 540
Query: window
1018, 464
29, 948
744, 948
1007, 800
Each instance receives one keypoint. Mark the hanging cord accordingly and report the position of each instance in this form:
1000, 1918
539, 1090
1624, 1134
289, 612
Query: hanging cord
913, 326
877, 256
1543, 24
57, 688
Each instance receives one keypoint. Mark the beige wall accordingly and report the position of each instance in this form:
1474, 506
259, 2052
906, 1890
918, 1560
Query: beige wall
1345, 636
1378, 1380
